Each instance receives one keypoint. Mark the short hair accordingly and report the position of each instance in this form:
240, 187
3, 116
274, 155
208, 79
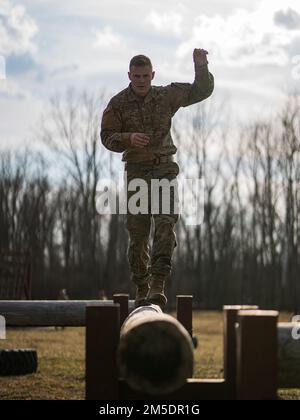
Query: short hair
140, 61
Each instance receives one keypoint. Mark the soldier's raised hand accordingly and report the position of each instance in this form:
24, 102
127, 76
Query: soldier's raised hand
139, 140
200, 56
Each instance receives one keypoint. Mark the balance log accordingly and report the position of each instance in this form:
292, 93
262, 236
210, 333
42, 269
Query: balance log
155, 352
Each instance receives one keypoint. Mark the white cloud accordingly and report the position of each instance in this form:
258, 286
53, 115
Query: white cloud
25, 112
11, 90
246, 37
107, 38
88, 45
17, 29
169, 22
2, 68
288, 18
296, 67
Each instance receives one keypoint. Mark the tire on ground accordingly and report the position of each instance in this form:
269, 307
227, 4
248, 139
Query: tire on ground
18, 362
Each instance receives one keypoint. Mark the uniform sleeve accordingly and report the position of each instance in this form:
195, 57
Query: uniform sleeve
185, 94
111, 131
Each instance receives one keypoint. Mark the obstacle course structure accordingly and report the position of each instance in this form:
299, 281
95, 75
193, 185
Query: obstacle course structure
252, 344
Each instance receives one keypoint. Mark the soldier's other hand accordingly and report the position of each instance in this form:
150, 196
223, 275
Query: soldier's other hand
200, 56
139, 140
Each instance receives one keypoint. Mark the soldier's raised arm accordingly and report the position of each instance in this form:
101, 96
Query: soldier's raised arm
185, 94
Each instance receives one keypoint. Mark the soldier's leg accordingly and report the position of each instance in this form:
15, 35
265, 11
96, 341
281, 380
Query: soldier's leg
138, 227
164, 240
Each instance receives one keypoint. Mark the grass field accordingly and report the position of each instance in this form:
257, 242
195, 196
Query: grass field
61, 360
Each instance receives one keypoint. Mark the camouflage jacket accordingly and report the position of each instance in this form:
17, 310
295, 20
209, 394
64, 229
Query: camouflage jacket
126, 113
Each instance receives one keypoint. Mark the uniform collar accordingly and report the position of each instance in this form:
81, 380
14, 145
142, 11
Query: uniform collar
131, 96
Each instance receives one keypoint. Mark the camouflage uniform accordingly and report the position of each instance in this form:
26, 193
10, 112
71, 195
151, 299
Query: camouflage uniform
125, 114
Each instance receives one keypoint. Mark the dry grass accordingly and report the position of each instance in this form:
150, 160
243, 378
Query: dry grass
61, 365
61, 360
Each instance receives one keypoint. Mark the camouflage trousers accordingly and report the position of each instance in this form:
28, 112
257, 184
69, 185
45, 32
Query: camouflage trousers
159, 262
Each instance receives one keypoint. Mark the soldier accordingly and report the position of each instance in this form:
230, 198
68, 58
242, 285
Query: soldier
137, 123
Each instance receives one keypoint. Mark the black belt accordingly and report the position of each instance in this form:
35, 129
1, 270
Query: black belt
156, 161
162, 159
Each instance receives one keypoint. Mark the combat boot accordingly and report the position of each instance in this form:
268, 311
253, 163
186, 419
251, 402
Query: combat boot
141, 295
156, 295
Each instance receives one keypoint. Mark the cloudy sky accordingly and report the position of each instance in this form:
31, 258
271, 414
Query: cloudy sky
49, 45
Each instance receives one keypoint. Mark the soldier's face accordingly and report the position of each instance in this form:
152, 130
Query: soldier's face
141, 78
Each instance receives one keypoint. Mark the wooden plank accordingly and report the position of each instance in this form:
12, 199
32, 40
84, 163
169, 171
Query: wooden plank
193, 390
66, 313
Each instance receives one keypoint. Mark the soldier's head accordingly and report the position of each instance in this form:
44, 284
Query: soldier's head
141, 74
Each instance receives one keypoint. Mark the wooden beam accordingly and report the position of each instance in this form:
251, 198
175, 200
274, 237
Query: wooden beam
37, 313
193, 390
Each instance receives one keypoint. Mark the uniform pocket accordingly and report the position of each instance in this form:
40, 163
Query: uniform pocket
176, 167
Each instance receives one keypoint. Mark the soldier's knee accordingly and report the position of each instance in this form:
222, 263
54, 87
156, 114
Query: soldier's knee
139, 224
138, 255
165, 224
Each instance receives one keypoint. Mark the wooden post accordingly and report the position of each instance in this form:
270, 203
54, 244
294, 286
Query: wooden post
102, 337
257, 355
230, 314
185, 312
122, 300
